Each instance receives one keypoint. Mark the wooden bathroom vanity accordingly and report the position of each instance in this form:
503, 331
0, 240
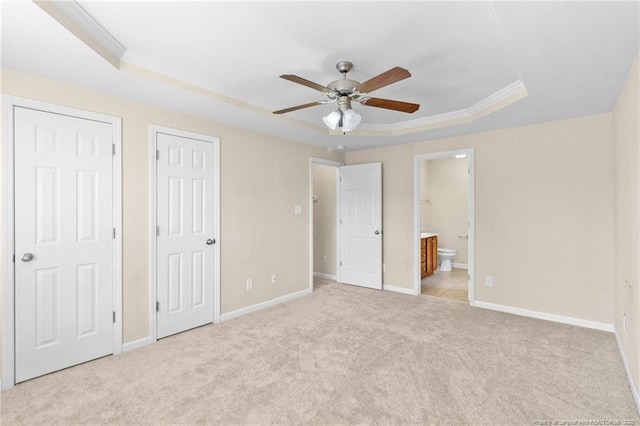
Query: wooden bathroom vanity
428, 254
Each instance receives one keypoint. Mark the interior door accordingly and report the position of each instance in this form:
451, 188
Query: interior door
63, 241
185, 237
361, 225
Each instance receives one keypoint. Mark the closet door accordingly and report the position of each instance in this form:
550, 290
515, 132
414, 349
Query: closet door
63, 241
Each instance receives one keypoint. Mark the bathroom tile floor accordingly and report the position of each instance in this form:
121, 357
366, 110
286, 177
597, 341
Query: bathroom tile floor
447, 285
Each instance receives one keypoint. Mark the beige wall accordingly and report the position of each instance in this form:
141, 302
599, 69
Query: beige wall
262, 178
543, 214
445, 185
626, 131
324, 219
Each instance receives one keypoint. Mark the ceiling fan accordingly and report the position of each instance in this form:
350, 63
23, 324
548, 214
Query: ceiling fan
344, 91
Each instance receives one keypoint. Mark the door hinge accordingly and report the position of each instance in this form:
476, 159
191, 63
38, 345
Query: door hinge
157, 154
14, 258
340, 178
113, 149
114, 316
157, 306
341, 263
340, 221
157, 231
469, 277
114, 233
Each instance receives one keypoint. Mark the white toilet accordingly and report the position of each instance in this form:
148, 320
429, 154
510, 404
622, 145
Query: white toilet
445, 257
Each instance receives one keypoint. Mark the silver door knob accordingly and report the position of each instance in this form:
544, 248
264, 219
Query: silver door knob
377, 232
210, 241
27, 257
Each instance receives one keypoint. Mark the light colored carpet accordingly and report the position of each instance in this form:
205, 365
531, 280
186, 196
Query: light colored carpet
344, 355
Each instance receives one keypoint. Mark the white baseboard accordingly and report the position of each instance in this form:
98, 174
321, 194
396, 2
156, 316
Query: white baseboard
262, 305
632, 385
129, 346
460, 265
545, 316
325, 276
403, 290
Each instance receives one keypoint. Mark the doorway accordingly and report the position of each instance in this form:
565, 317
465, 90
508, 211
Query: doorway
62, 238
358, 221
444, 225
185, 217
323, 220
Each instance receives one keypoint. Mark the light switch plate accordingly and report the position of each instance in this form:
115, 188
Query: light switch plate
297, 209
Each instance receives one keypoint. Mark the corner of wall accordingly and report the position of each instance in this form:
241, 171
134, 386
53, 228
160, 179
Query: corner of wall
626, 235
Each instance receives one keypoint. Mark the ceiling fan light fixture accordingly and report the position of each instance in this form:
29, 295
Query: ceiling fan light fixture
350, 120
332, 119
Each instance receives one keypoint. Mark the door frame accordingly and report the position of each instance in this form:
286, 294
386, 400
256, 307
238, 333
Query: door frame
337, 165
417, 191
154, 130
8, 223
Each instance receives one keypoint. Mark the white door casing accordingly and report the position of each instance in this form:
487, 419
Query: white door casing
361, 225
185, 234
64, 197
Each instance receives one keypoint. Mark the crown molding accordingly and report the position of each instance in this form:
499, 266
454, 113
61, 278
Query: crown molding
71, 15
511, 93
216, 96
494, 102
180, 74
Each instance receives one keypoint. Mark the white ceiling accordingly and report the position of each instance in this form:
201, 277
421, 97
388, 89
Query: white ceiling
572, 58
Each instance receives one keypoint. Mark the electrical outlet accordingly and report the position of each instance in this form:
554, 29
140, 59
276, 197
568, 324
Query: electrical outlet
274, 278
324, 259
297, 209
488, 281
250, 284
624, 322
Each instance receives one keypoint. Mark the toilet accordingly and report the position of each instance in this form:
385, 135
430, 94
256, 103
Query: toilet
445, 257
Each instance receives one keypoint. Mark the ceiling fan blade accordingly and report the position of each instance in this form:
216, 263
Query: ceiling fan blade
386, 78
307, 83
389, 104
295, 108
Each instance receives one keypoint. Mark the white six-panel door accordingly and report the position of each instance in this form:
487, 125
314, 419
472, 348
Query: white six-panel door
184, 214
63, 241
361, 225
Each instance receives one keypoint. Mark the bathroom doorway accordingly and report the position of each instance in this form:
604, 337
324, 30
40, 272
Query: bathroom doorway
443, 225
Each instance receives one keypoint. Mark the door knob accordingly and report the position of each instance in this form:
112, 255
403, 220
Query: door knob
377, 232
27, 257
210, 241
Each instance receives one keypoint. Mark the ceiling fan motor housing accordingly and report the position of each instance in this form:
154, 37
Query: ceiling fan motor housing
344, 87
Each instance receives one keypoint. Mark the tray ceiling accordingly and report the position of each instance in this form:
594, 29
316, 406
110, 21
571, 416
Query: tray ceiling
475, 65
